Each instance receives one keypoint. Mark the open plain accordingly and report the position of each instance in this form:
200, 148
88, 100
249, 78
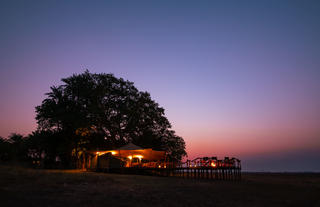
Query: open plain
36, 187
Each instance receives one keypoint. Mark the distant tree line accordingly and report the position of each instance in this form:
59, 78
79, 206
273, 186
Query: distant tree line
35, 149
92, 112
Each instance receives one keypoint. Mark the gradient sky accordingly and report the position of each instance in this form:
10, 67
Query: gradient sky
236, 78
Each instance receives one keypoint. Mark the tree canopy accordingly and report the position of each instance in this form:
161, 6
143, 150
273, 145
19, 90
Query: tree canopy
99, 111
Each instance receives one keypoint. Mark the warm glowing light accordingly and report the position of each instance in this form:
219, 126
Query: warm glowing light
130, 157
138, 156
213, 164
159, 166
113, 153
165, 166
100, 153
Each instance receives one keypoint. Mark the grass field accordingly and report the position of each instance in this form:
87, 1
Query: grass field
30, 187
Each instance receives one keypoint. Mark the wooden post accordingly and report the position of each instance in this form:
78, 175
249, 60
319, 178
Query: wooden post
187, 169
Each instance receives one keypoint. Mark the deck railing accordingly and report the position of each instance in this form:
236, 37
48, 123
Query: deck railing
199, 168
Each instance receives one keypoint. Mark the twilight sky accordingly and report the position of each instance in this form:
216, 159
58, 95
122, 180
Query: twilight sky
236, 78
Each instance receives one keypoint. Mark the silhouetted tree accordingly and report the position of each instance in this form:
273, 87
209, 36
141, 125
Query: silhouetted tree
6, 150
13, 148
94, 111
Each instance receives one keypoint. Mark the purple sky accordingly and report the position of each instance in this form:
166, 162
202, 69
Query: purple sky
237, 78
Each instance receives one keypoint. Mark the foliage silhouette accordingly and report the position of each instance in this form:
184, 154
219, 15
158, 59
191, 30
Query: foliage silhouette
14, 148
6, 148
99, 111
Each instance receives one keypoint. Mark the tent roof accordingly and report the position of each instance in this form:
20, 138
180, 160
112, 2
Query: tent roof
130, 146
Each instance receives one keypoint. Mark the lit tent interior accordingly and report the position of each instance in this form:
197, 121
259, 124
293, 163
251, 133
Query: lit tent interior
131, 155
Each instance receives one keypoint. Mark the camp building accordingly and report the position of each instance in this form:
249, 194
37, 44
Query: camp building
126, 156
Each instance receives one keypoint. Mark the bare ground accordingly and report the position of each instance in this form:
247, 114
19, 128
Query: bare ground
31, 187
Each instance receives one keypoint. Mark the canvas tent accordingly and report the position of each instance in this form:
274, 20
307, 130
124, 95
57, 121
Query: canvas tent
131, 155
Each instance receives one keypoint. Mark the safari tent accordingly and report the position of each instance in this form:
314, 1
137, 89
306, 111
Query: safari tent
129, 155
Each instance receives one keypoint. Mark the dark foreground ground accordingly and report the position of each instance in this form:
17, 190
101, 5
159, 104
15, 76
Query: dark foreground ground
29, 187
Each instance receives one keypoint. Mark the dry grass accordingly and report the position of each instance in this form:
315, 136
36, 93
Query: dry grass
29, 187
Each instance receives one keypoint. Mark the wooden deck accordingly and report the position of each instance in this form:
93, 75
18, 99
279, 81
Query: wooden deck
224, 173
209, 168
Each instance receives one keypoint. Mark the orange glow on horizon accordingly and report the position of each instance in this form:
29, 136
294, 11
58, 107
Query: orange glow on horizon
245, 143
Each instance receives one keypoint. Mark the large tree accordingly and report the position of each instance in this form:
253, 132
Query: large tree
101, 111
